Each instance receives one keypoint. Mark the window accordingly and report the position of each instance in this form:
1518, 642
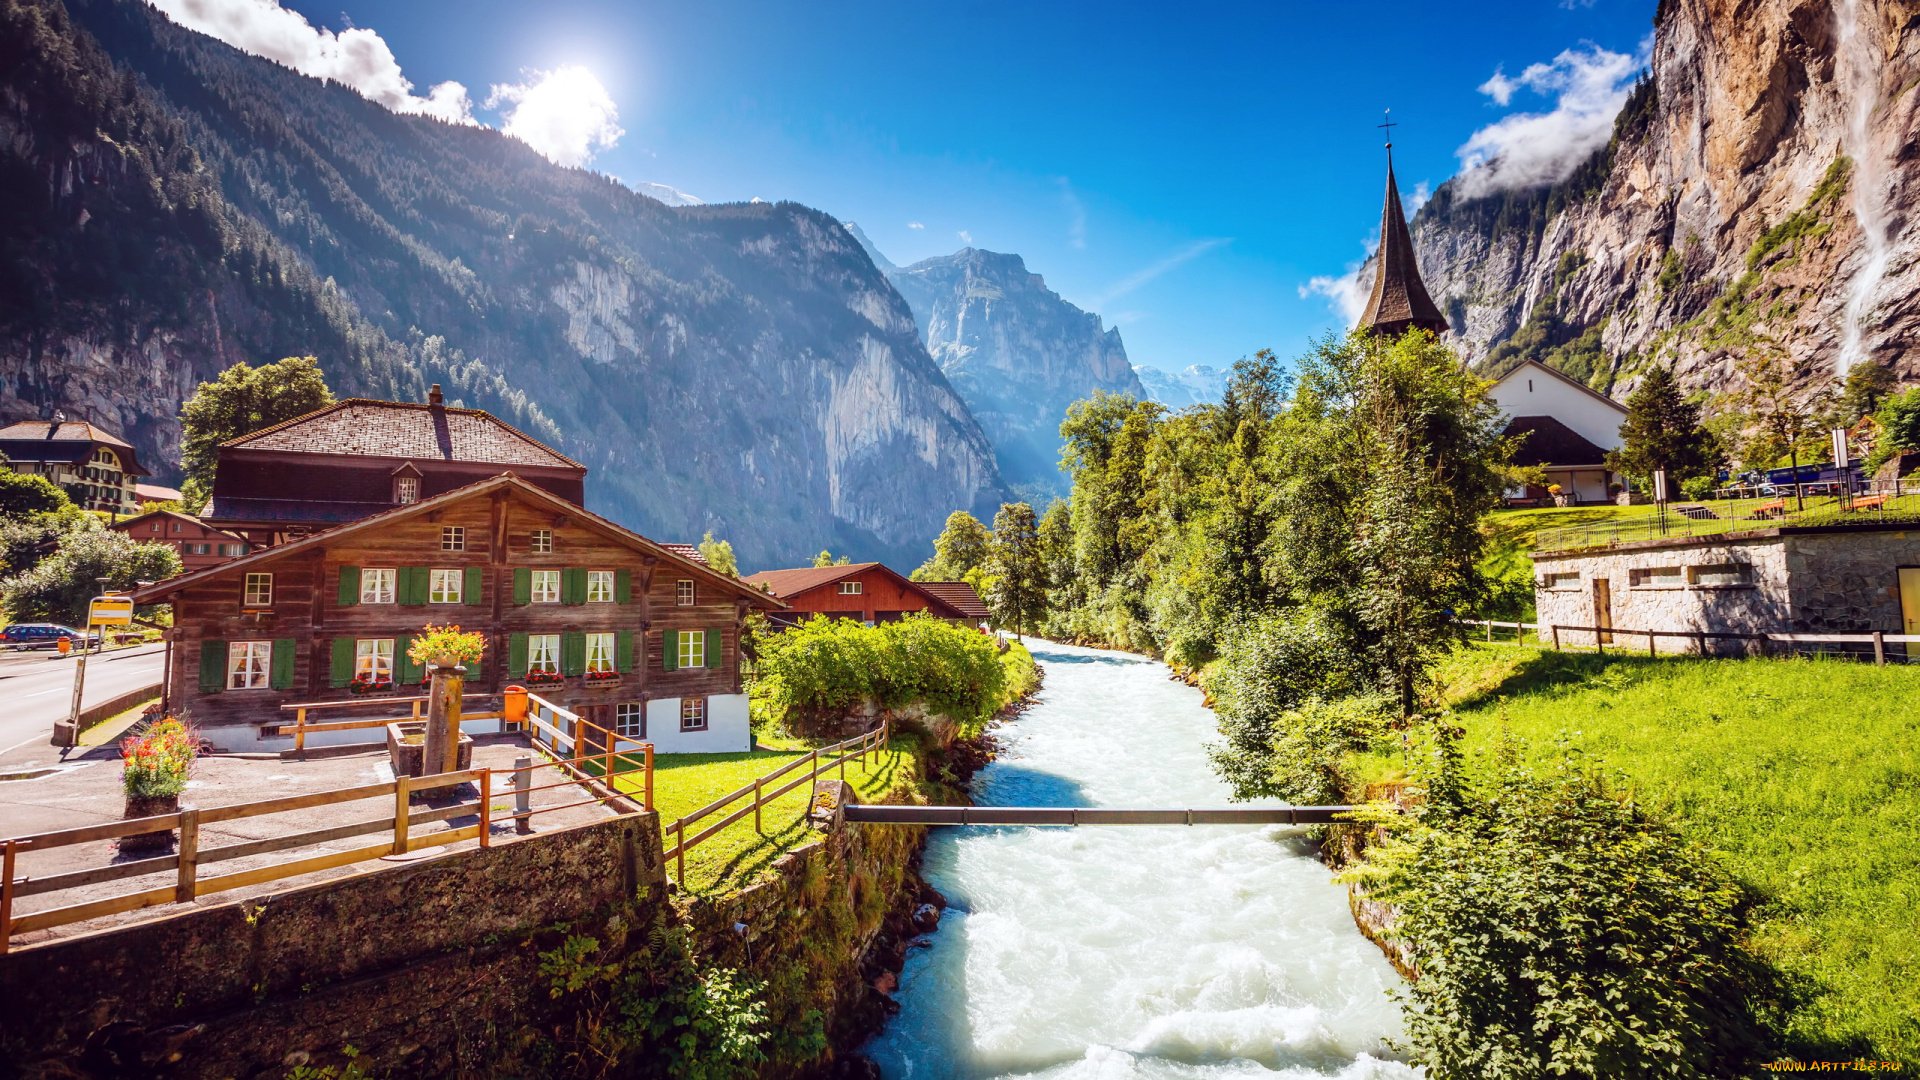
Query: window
234, 550
197, 549
376, 585
444, 587
1560, 581
453, 538
693, 714
155, 528
630, 720
693, 648
683, 593
541, 542
546, 586
599, 586
1721, 574
373, 661
259, 592
176, 526
406, 490
850, 588
1655, 577
599, 655
247, 665
543, 654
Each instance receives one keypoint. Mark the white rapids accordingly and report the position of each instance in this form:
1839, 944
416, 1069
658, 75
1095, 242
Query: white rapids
1114, 952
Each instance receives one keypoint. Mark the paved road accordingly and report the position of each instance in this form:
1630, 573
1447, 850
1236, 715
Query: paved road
36, 689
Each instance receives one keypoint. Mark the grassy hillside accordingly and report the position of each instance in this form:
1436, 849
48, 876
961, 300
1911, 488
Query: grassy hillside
1803, 777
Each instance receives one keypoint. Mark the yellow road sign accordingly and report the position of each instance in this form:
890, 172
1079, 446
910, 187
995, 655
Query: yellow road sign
111, 611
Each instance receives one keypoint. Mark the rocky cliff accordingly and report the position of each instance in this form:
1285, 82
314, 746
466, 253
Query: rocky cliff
1755, 201
1017, 352
169, 205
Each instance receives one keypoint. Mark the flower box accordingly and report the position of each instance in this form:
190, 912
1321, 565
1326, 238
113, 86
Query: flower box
544, 678
595, 678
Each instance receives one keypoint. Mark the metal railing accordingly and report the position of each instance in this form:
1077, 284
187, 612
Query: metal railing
1768, 643
1096, 815
1738, 509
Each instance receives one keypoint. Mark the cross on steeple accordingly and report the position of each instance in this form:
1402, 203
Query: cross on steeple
1389, 126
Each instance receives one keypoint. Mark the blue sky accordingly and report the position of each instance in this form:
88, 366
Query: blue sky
1185, 171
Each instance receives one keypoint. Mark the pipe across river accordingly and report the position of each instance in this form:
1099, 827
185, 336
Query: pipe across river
1202, 951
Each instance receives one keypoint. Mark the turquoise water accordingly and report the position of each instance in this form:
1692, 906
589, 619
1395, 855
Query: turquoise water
1119, 952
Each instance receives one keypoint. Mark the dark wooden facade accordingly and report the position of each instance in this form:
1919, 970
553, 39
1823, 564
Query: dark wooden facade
869, 592
319, 600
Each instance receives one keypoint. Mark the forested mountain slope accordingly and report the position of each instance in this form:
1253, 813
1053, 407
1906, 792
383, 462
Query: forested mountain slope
172, 205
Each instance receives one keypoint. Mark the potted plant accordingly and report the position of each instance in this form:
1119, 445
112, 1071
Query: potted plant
1560, 498
153, 773
539, 678
441, 747
368, 684
446, 646
603, 676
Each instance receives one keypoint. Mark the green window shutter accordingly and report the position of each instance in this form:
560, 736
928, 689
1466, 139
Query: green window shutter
573, 652
213, 666
517, 653
471, 589
406, 670
523, 591
573, 586
343, 648
714, 649
623, 651
475, 668
349, 586
670, 650
622, 586
413, 585
280, 674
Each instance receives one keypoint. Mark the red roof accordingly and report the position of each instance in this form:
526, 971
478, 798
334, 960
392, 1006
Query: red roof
961, 595
787, 584
404, 429
687, 551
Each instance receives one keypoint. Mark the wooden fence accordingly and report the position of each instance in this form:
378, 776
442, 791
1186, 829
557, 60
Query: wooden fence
1605, 635
857, 747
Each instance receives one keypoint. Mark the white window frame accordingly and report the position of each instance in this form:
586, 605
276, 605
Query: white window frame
540, 542
374, 657
852, 588
691, 649
600, 650
599, 586
249, 665
630, 719
545, 587
446, 585
258, 591
406, 490
543, 653
378, 584
453, 538
683, 593
693, 714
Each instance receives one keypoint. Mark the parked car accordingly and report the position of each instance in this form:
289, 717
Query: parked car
42, 635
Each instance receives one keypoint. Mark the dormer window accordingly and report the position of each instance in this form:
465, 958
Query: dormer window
406, 490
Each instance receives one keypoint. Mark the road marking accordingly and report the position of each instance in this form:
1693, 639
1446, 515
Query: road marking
55, 690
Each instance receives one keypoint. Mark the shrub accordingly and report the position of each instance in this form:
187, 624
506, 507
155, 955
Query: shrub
825, 668
158, 761
58, 588
1269, 667
1698, 488
1311, 743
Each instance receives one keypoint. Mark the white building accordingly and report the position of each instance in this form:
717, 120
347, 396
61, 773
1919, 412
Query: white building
1569, 429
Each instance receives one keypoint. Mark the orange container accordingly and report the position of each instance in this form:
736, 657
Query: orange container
514, 704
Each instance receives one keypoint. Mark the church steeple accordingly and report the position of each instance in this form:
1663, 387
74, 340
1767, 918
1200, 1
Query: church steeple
1399, 299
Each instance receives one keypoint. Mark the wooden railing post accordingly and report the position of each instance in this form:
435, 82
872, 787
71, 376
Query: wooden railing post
522, 798
402, 790
1650, 649
649, 781
680, 851
6, 895
486, 807
1556, 637
756, 807
300, 732
1879, 648
183, 890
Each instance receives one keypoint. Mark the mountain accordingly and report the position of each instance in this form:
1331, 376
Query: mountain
665, 194
1195, 384
1016, 351
170, 205
1754, 200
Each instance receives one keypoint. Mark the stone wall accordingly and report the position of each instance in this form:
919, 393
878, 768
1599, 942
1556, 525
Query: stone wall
1808, 580
424, 968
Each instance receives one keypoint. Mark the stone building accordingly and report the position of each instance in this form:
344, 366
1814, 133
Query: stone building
1835, 579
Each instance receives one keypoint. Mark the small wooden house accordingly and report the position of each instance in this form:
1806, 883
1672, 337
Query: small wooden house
200, 545
963, 597
866, 591
583, 612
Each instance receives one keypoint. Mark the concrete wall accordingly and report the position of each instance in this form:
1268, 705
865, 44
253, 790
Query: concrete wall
1801, 581
422, 967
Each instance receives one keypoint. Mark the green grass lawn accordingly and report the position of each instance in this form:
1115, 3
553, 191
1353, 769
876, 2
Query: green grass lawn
1802, 776
683, 783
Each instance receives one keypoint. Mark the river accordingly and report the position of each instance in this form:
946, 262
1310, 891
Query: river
1111, 952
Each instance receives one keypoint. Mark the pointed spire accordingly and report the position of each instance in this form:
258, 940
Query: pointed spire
1399, 299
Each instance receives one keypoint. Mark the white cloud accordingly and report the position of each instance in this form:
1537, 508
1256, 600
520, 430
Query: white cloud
666, 193
355, 57
1076, 215
965, 237
1147, 273
1589, 84
1345, 294
565, 114
1422, 194
915, 225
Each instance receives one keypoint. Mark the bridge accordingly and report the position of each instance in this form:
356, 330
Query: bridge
1094, 815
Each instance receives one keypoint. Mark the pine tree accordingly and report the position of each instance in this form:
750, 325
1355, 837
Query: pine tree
1662, 431
959, 550
1017, 563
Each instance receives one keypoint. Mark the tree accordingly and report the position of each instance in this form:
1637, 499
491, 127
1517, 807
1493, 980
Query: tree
1867, 385
825, 558
1017, 563
1899, 420
58, 589
1782, 415
719, 555
243, 400
25, 495
1662, 431
960, 549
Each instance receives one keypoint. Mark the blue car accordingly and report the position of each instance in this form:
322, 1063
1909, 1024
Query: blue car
41, 635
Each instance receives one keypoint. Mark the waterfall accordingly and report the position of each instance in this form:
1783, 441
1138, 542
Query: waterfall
1859, 72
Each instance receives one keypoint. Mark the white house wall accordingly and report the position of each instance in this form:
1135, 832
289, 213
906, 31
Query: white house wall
728, 730
1529, 391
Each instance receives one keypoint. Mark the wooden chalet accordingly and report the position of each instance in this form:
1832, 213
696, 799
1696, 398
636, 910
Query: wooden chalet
962, 596
866, 591
357, 458
96, 468
200, 545
587, 614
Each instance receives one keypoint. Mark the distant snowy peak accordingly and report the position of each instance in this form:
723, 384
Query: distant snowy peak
665, 194
1197, 384
885, 264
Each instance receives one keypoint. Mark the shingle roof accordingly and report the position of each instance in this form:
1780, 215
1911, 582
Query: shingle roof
687, 551
1399, 298
792, 582
71, 431
127, 524
1550, 442
402, 429
72, 442
961, 595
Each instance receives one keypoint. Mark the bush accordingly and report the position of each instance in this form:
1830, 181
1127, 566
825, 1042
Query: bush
58, 588
1269, 667
1311, 743
1559, 932
158, 761
23, 494
825, 668
1698, 488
